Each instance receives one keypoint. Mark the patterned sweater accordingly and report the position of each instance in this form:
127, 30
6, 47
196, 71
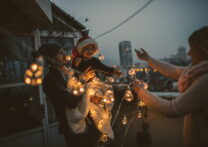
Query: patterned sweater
192, 104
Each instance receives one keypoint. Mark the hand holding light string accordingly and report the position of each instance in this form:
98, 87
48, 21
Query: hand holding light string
139, 84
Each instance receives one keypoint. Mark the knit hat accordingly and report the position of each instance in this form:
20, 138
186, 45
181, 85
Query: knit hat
49, 50
84, 41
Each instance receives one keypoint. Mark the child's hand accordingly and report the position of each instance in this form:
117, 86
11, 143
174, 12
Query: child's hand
87, 74
68, 71
95, 100
77, 61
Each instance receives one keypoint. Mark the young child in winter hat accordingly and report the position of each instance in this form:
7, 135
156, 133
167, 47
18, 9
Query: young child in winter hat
83, 58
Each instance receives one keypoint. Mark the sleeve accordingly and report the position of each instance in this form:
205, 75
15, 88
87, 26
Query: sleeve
166, 69
58, 93
100, 67
190, 101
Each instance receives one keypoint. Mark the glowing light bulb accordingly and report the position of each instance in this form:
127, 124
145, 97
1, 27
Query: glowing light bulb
124, 120
81, 90
141, 103
100, 124
27, 80
104, 100
34, 67
39, 81
75, 92
101, 57
109, 97
68, 58
104, 138
38, 73
29, 73
128, 96
139, 115
93, 112
145, 85
30, 99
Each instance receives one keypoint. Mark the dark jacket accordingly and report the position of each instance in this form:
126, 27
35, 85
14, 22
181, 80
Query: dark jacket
96, 65
54, 86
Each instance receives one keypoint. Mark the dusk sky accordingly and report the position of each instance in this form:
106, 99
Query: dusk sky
160, 28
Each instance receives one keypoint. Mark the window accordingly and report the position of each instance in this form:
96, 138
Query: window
19, 109
20, 103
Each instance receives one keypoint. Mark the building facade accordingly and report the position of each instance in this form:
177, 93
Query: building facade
125, 53
29, 119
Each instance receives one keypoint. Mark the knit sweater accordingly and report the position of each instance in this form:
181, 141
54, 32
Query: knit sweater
192, 104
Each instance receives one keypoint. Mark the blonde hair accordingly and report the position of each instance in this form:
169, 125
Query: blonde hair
199, 38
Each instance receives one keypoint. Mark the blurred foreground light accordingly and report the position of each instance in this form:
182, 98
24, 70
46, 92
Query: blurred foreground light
27, 80
75, 92
101, 57
68, 58
104, 138
81, 90
39, 81
34, 67
124, 120
29, 73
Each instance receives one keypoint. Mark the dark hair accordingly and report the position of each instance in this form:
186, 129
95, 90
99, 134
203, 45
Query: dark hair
48, 51
199, 38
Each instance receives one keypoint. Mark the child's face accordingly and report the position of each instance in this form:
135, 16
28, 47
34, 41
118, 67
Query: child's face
88, 51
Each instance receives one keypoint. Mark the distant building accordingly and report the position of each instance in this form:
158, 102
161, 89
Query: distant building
180, 58
125, 54
181, 53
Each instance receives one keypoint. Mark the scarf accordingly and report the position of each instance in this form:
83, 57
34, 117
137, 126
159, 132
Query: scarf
190, 74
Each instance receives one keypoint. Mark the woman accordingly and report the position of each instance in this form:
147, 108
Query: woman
55, 88
193, 86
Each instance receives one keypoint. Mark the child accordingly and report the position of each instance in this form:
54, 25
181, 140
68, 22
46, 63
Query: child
83, 58
84, 62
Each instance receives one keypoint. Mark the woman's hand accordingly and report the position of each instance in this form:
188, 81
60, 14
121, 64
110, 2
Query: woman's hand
138, 84
142, 54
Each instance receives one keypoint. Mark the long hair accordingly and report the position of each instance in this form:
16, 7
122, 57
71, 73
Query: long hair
199, 38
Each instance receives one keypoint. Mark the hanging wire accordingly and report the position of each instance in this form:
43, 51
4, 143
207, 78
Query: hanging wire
118, 111
126, 20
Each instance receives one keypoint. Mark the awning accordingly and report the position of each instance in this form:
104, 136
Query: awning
25, 14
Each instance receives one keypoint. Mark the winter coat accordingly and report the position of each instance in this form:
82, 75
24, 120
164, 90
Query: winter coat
55, 88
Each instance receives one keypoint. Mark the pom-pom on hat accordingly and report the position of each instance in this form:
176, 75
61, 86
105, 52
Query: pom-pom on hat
84, 41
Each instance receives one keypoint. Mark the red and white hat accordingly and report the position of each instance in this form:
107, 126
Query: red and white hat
84, 41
